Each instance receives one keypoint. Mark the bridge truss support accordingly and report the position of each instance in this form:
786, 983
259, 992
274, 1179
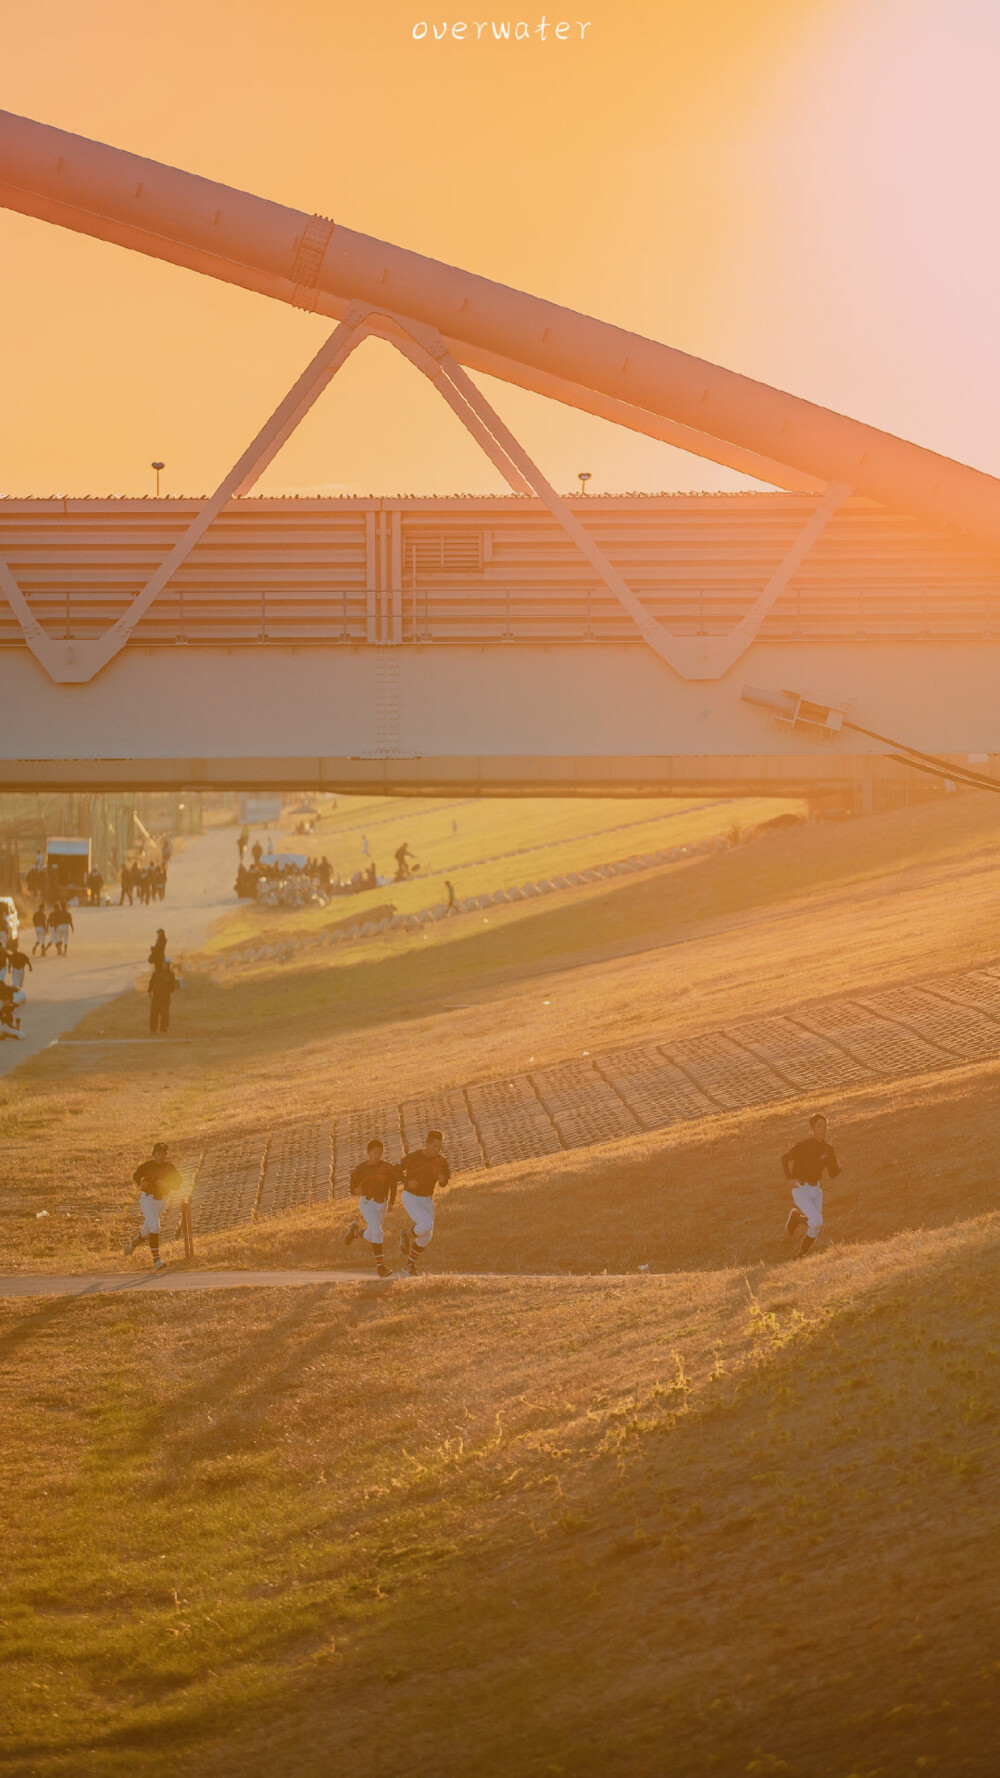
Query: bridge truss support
70, 661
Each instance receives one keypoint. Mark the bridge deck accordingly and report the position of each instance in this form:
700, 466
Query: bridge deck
463, 570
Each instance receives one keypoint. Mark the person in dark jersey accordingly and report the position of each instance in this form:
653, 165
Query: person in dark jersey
162, 984
373, 1183
62, 921
40, 921
804, 1166
17, 962
421, 1171
158, 1180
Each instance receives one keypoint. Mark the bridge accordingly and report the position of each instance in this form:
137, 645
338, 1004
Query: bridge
803, 639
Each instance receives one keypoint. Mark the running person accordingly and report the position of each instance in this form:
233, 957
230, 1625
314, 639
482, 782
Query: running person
374, 1184
158, 1180
804, 1165
421, 1171
40, 921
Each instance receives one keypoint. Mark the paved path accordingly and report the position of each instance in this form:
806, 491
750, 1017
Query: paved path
109, 946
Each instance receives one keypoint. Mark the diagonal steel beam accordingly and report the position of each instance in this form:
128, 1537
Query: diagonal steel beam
471, 420
709, 657
74, 662
692, 657
70, 661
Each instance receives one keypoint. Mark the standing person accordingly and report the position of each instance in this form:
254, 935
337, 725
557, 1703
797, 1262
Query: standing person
804, 1165
40, 921
421, 1170
158, 954
162, 984
373, 1183
256, 852
125, 879
402, 856
17, 962
64, 926
242, 842
158, 1180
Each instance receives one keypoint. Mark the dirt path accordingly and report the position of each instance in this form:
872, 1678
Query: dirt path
109, 1284
108, 946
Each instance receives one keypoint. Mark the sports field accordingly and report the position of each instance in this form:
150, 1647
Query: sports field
535, 1511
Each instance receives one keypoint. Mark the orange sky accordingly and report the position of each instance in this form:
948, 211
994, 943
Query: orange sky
800, 189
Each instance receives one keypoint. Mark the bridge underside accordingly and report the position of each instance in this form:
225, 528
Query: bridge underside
558, 719
852, 781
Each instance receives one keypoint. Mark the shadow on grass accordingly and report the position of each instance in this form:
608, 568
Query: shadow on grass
33, 1326
268, 1364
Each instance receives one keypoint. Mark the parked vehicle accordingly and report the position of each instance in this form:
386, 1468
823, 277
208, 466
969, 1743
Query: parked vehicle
8, 915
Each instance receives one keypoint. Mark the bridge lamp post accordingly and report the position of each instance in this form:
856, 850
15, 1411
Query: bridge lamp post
157, 467
583, 478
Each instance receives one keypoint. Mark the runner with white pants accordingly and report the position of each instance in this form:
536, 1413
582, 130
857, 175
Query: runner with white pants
158, 1180
804, 1165
422, 1170
373, 1183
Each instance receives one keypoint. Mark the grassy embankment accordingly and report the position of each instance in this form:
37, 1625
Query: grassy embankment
789, 919
722, 1522
738, 1519
496, 843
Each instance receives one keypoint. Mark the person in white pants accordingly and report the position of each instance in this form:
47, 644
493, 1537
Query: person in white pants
804, 1166
422, 1170
158, 1180
374, 1184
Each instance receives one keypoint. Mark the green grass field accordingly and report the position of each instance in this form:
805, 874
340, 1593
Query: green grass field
495, 844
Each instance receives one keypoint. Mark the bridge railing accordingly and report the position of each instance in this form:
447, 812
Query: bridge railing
269, 612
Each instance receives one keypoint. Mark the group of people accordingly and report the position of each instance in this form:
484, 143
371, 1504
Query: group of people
376, 1181
52, 926
282, 881
13, 964
144, 880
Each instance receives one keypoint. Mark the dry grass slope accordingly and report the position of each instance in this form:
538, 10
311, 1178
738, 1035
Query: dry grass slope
712, 1522
737, 1516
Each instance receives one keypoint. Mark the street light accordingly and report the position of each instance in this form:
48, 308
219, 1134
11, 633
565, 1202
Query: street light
158, 467
583, 478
